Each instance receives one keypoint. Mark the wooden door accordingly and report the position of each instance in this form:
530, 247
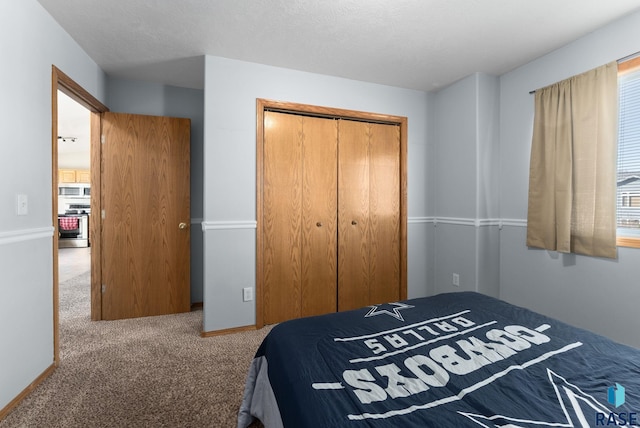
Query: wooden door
146, 205
384, 213
369, 218
353, 219
319, 216
299, 216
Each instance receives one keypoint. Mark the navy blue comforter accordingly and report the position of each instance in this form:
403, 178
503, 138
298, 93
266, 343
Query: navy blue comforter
451, 360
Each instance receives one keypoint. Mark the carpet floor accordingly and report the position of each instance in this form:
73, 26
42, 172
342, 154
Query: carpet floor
144, 372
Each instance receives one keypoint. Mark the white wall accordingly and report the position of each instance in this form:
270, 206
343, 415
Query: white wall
466, 203
231, 89
30, 42
596, 294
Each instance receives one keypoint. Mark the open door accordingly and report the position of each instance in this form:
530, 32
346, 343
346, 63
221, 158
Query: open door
145, 203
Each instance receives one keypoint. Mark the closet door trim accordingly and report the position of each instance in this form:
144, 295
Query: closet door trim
263, 105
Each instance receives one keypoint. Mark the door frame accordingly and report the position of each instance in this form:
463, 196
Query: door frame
263, 105
61, 81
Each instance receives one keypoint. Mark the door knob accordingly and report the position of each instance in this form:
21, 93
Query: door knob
353, 222
182, 226
319, 224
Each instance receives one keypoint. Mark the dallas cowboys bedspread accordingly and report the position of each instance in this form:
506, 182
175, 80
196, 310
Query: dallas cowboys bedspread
451, 360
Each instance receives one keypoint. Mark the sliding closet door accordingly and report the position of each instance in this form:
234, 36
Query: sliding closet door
282, 193
368, 214
384, 213
353, 215
319, 215
299, 216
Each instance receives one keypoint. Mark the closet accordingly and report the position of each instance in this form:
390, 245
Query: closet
332, 223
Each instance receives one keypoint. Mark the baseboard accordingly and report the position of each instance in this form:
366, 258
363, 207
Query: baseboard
228, 331
14, 403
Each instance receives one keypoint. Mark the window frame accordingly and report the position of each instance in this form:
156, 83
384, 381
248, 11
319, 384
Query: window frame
624, 67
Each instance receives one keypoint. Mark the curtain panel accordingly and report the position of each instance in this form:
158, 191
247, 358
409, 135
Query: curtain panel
572, 175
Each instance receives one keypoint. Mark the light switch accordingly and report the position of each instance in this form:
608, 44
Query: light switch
247, 294
22, 205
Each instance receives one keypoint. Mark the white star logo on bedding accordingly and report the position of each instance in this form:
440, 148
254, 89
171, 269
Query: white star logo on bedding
394, 312
571, 400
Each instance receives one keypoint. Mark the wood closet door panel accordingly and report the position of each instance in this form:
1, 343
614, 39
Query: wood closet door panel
319, 215
368, 214
282, 216
384, 213
353, 215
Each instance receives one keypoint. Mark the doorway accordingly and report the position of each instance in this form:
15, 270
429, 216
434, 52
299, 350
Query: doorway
164, 169
74, 188
61, 83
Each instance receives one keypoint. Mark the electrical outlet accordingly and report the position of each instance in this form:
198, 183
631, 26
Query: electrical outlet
455, 280
247, 294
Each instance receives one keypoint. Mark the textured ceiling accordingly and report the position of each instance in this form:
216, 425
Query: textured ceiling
417, 44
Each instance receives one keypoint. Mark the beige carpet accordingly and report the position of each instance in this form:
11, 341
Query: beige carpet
146, 372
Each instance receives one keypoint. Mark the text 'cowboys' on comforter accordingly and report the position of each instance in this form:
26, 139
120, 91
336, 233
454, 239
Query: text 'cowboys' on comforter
451, 360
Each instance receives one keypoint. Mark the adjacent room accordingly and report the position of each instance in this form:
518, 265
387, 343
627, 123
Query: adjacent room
241, 165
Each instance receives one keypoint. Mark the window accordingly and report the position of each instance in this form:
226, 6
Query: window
628, 200
628, 172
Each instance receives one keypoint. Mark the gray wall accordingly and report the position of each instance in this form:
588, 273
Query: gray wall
30, 42
127, 96
453, 153
231, 89
596, 294
466, 156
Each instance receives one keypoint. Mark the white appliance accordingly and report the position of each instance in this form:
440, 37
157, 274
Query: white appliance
74, 209
73, 230
70, 194
74, 190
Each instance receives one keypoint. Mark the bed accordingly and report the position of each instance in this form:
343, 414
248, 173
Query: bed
451, 360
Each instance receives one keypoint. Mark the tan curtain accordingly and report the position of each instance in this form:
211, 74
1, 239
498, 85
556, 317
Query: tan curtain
572, 177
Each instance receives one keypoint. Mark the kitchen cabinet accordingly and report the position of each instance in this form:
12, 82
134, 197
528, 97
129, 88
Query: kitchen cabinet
83, 176
74, 176
66, 175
